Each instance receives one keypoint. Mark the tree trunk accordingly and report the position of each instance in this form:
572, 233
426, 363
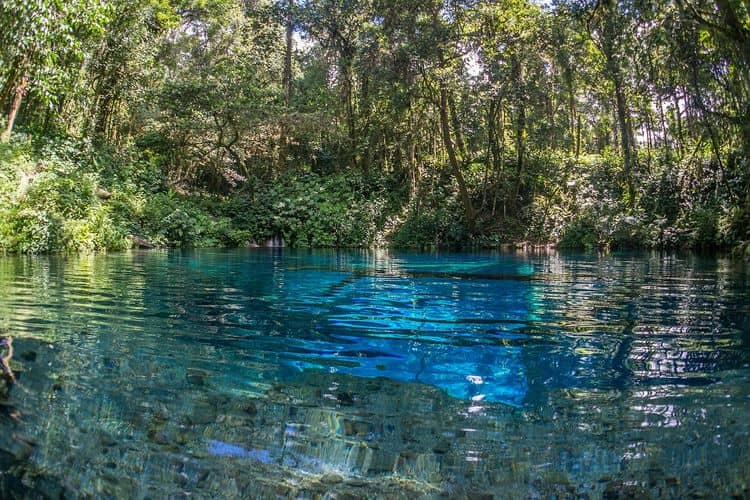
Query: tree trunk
491, 150
15, 105
287, 82
411, 153
453, 160
626, 132
518, 79
738, 31
288, 55
608, 44
445, 129
572, 120
456, 127
347, 98
705, 117
678, 120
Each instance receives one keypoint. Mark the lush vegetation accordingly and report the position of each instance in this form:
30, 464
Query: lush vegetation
588, 124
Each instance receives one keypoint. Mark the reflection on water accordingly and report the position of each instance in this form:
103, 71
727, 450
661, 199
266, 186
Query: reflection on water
259, 372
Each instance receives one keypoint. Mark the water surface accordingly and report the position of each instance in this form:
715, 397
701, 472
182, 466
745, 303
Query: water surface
300, 373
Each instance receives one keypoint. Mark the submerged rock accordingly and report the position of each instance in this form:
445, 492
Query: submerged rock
29, 356
331, 478
620, 490
196, 377
158, 437
251, 409
107, 440
345, 398
442, 447
203, 413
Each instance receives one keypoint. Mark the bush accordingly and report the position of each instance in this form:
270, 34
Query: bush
581, 233
34, 231
435, 221
49, 202
733, 226
306, 210
50, 194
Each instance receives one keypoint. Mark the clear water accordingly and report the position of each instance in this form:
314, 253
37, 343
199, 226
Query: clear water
261, 373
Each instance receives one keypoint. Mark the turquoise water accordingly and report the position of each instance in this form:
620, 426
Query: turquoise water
370, 373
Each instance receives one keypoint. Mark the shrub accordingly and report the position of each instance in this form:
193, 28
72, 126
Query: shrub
581, 233
35, 231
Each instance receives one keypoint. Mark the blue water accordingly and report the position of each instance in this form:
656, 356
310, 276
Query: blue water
300, 373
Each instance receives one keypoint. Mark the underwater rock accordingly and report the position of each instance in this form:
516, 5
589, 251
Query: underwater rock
161, 414
617, 490
29, 356
203, 413
442, 447
331, 478
22, 448
356, 483
46, 486
345, 398
107, 440
251, 409
7, 373
196, 377
158, 437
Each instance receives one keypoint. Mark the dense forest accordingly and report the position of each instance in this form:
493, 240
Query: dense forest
421, 123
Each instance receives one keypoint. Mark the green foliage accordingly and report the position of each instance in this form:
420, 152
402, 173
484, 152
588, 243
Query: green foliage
51, 205
50, 201
582, 232
733, 226
307, 210
437, 220
45, 40
328, 123
592, 210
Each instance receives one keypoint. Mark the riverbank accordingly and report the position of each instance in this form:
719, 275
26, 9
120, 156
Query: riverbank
66, 195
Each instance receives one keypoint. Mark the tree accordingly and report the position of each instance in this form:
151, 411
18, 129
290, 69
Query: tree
43, 45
